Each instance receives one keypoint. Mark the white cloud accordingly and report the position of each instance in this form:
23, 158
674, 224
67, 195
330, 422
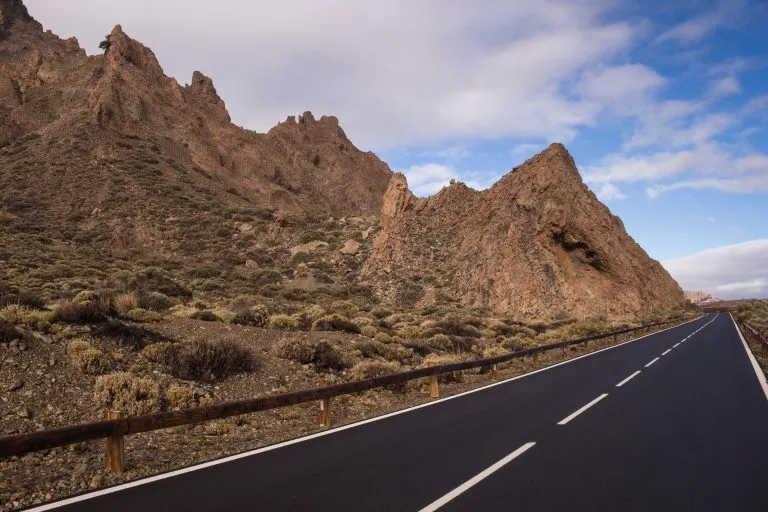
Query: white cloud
427, 179
724, 86
732, 271
610, 192
455, 152
526, 150
396, 73
698, 28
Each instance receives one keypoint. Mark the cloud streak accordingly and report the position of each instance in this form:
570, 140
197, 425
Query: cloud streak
731, 271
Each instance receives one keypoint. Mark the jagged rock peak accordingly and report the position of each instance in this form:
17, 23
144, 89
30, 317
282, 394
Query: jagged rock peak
307, 122
13, 10
126, 51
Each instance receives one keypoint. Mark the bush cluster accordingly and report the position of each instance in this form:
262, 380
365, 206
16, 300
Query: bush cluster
127, 393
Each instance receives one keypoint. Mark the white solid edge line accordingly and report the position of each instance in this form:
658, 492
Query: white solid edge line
666, 352
676, 345
477, 478
628, 379
215, 462
568, 418
649, 364
755, 366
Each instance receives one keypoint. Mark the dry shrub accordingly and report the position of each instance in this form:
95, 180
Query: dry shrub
370, 369
383, 337
159, 352
493, 351
143, 316
8, 332
200, 360
344, 308
369, 331
315, 312
335, 322
457, 328
22, 315
391, 351
205, 315
323, 355
127, 393
362, 321
180, 397
125, 302
488, 333
72, 312
411, 332
438, 360
87, 359
284, 322
156, 301
440, 342
381, 312
297, 350
245, 314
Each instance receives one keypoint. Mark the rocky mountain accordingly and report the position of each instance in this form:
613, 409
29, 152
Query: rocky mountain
537, 243
108, 164
701, 297
113, 174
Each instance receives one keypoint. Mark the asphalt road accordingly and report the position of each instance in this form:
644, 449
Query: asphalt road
689, 432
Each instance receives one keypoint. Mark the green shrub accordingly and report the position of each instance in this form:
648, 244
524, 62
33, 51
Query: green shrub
412, 332
124, 392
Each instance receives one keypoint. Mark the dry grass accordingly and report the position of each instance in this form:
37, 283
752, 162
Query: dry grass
180, 397
127, 393
24, 316
125, 302
369, 369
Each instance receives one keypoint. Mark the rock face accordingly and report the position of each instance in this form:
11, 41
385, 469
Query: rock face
537, 243
701, 297
50, 88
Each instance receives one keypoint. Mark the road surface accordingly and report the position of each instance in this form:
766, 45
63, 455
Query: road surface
676, 421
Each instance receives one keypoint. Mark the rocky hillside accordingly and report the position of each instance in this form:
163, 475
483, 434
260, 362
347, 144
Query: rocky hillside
109, 167
701, 297
537, 243
113, 175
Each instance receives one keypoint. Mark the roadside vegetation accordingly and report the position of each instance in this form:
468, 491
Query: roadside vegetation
755, 313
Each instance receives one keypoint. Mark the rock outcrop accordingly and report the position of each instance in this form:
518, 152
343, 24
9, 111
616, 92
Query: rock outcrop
537, 243
48, 86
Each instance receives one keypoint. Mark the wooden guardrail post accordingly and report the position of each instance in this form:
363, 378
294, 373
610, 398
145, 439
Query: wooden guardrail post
115, 448
536, 360
565, 351
495, 372
325, 407
434, 390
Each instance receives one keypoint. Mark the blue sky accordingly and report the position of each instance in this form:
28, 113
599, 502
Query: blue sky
662, 104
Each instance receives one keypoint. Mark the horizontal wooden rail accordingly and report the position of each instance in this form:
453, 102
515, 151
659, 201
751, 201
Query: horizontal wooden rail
24, 443
760, 336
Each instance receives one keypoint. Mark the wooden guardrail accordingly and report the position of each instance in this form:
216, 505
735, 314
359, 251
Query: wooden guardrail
761, 337
115, 428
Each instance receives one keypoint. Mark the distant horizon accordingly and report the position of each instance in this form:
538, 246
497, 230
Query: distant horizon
662, 107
